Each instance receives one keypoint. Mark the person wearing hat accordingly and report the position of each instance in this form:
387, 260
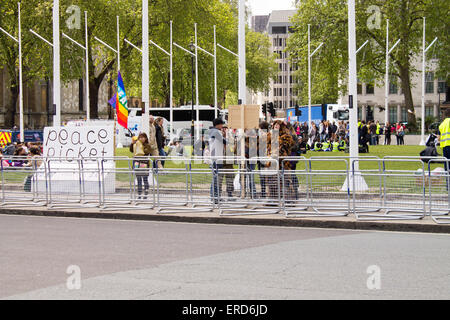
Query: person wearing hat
217, 145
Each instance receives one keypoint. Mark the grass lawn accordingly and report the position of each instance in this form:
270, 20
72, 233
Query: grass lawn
375, 151
323, 181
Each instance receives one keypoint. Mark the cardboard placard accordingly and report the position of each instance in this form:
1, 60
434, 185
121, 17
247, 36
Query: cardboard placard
243, 116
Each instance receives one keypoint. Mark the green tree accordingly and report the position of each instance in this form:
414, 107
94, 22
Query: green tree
33, 12
329, 24
260, 61
103, 62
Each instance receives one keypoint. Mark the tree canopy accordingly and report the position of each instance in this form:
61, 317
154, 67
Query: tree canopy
102, 14
329, 24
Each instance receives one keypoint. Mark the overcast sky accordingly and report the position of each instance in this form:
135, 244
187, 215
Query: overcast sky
262, 7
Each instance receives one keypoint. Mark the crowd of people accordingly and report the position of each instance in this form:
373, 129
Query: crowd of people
17, 155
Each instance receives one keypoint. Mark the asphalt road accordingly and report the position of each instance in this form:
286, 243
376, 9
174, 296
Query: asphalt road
154, 260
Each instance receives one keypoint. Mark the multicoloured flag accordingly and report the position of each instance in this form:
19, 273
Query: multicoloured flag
121, 103
113, 101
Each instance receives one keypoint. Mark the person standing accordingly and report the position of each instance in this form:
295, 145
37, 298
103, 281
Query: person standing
397, 132
387, 134
373, 133
444, 138
365, 137
279, 149
160, 138
312, 134
154, 152
217, 144
141, 149
378, 132
262, 153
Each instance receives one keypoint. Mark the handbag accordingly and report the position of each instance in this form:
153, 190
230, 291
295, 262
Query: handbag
141, 165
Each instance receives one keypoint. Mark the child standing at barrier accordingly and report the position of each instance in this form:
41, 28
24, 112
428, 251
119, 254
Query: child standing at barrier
141, 148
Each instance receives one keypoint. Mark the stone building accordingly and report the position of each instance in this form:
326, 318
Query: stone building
38, 102
371, 97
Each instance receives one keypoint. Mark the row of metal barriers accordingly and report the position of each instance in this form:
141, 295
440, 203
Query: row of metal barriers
369, 188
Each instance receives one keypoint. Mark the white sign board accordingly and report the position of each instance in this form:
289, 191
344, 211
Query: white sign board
79, 142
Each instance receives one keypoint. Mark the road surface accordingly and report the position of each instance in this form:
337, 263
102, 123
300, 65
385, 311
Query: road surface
46, 258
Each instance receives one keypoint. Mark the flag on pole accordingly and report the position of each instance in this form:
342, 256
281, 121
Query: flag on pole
113, 101
121, 103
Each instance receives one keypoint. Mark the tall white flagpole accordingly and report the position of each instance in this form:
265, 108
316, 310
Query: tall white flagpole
196, 84
386, 80
422, 131
309, 76
56, 66
241, 51
215, 74
145, 69
22, 132
352, 83
424, 58
172, 134
88, 105
118, 44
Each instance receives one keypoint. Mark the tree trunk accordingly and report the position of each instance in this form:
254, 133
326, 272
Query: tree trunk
406, 89
93, 99
10, 115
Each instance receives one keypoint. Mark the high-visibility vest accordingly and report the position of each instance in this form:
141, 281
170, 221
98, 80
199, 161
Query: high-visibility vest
444, 128
316, 146
343, 145
378, 128
325, 146
335, 147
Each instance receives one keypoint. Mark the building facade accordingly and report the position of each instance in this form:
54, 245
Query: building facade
278, 28
371, 97
38, 102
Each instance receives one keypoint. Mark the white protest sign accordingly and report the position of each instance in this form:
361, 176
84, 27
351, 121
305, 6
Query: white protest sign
79, 142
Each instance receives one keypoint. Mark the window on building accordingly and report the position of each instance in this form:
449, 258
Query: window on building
279, 30
429, 111
370, 88
403, 114
429, 82
442, 85
280, 67
392, 114
393, 89
359, 87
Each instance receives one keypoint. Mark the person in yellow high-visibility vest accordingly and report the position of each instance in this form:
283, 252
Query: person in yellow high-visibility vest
444, 137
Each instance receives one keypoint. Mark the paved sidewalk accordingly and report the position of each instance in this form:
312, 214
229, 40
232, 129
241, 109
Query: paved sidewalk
349, 222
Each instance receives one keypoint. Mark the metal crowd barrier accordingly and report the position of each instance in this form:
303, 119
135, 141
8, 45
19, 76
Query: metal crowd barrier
182, 185
316, 185
438, 182
19, 183
252, 186
368, 187
384, 191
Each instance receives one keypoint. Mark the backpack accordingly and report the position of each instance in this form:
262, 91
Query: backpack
430, 151
363, 149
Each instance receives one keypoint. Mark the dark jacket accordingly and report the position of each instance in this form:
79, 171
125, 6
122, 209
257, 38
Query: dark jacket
160, 139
